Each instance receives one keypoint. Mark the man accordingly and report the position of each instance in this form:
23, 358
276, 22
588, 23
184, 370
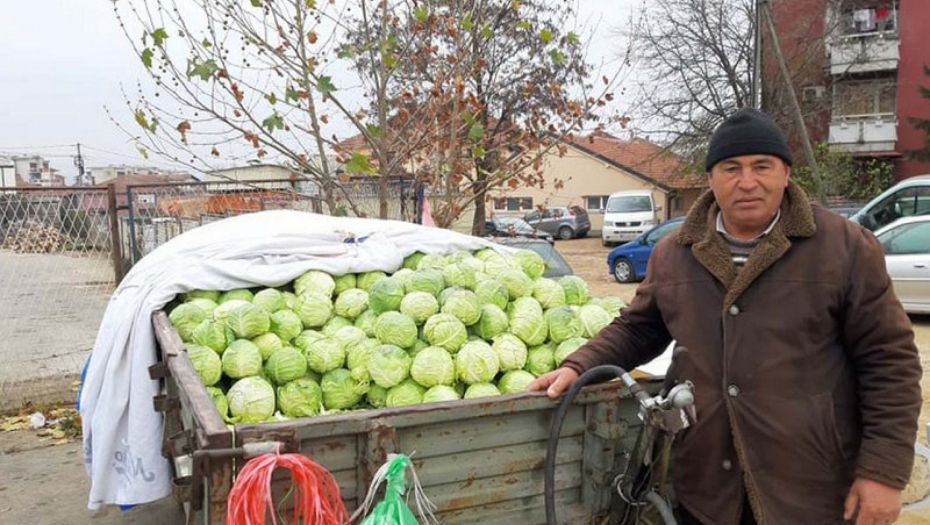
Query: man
804, 364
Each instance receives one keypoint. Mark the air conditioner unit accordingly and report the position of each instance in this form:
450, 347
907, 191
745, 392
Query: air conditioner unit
813, 93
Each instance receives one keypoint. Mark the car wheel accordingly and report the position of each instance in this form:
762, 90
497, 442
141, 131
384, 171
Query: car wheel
566, 233
623, 271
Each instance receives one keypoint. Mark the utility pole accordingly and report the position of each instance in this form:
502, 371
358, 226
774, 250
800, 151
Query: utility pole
79, 163
793, 100
755, 98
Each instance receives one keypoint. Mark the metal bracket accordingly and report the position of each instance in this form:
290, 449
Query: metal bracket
159, 370
164, 403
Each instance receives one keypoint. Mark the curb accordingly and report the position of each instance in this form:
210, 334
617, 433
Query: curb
36, 392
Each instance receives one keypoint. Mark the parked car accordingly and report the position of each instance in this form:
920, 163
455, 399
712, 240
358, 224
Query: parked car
628, 214
909, 197
556, 265
565, 222
514, 227
907, 256
627, 263
847, 209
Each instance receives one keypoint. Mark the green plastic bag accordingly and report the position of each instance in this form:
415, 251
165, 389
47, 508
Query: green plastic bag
393, 509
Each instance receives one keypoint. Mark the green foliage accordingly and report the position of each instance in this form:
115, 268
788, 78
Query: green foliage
845, 176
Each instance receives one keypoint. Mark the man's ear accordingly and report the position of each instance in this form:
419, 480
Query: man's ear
788, 171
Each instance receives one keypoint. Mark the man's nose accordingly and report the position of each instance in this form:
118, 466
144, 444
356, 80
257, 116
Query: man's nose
747, 179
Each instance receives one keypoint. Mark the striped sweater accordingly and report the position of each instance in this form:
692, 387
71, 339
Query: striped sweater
740, 249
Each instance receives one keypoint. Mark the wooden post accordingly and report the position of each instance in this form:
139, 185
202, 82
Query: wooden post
116, 252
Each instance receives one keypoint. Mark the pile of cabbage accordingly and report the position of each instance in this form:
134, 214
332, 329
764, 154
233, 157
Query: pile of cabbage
442, 328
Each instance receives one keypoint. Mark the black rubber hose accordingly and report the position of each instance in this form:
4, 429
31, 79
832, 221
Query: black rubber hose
598, 374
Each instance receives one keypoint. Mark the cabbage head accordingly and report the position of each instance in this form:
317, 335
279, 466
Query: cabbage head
307, 337
432, 261
300, 398
405, 394
527, 321
248, 321
377, 396
417, 347
186, 318
268, 344
493, 322
349, 337
315, 281
242, 359
476, 265
420, 306
388, 365
433, 366
485, 253
563, 323
344, 282
511, 352
496, 264
290, 299
366, 280
242, 294
594, 319
517, 283
459, 275
366, 321
576, 290
403, 276
440, 393
481, 390
270, 299
464, 305
219, 401
491, 291
324, 355
286, 324
548, 293
340, 390
221, 312
613, 305
386, 295
429, 280
204, 304
444, 295
413, 260
477, 362
395, 328
206, 363
358, 356
314, 309
446, 331
335, 323
515, 381
210, 295
567, 347
540, 360
531, 262
212, 334
286, 365
251, 400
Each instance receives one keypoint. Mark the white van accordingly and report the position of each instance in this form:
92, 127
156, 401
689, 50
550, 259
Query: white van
909, 197
628, 214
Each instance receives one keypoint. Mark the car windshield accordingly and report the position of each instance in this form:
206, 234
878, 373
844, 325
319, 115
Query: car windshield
629, 204
514, 224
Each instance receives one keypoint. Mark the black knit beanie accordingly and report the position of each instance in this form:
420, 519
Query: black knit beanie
747, 132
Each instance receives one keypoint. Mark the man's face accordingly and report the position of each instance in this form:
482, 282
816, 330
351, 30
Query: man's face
749, 190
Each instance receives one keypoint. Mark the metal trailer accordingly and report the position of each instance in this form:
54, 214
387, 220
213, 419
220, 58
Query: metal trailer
479, 460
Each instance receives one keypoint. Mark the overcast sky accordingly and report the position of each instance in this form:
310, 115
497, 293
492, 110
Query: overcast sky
64, 61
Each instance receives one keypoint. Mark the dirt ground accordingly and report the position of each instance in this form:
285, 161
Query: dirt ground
589, 260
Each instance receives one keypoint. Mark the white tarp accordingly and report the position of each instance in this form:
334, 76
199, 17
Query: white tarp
122, 433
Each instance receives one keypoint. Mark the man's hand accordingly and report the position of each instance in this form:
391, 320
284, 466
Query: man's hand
554, 383
872, 503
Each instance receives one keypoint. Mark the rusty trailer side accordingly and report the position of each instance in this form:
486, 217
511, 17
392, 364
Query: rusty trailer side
479, 460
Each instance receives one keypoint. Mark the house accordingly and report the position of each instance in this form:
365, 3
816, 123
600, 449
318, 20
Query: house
597, 165
258, 176
34, 170
857, 68
102, 174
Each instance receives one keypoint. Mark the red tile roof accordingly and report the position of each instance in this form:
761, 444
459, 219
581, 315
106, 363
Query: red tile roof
644, 158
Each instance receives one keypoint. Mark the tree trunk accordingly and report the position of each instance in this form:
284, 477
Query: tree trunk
480, 188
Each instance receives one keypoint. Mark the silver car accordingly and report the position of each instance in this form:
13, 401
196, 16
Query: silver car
907, 255
565, 222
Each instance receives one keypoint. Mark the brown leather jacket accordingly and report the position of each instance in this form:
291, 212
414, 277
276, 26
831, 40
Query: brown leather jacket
804, 364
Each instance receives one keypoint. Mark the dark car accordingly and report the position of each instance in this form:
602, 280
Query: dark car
514, 227
627, 263
556, 265
565, 222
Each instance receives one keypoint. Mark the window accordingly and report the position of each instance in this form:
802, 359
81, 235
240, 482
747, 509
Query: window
596, 202
660, 232
905, 203
868, 17
628, 204
513, 203
907, 239
864, 97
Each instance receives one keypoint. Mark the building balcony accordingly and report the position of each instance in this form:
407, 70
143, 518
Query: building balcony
867, 134
864, 53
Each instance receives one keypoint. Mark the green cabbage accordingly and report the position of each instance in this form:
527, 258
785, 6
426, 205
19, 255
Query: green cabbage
485, 253
527, 321
340, 390
403, 276
531, 262
493, 292
576, 290
517, 283
317, 282
236, 295
417, 347
290, 299
395, 328
300, 398
351, 303
366, 321
210, 295
567, 347
563, 323
613, 305
433, 366
222, 311
358, 356
459, 275
386, 295
493, 322
307, 337
420, 306
186, 318
251, 400
464, 305
405, 394
444, 295
286, 324
432, 261
388, 365
481, 390
349, 337
204, 304
475, 265
314, 309
366, 280
213, 335
242, 359
344, 282
324, 355
248, 321
515, 381
206, 363
495, 264
441, 393
270, 299
446, 331
511, 352
219, 401
593, 319
287, 364
548, 293
429, 280
413, 260
335, 323
377, 396
268, 344
540, 359
477, 362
